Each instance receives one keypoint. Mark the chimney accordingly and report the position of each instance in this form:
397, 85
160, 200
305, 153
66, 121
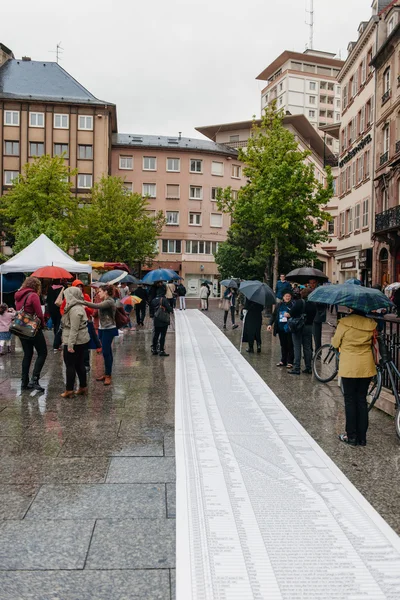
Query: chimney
180, 135
26, 58
5, 54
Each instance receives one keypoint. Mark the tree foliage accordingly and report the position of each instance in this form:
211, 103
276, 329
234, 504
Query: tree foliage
279, 215
41, 201
115, 227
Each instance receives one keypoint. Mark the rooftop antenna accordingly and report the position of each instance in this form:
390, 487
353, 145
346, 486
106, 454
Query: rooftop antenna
310, 23
58, 51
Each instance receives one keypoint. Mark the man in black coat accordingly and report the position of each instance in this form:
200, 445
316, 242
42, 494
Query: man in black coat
160, 322
140, 309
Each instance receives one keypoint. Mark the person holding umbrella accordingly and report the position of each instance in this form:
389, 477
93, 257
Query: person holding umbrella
140, 309
228, 305
257, 295
303, 338
278, 324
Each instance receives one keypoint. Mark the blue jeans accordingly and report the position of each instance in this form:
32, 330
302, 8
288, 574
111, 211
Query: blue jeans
106, 337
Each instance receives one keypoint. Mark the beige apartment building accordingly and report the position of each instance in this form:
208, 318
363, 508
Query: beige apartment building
181, 177
43, 110
236, 135
387, 148
305, 84
353, 227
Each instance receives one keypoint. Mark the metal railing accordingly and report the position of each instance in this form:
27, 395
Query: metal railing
384, 158
386, 96
388, 219
240, 144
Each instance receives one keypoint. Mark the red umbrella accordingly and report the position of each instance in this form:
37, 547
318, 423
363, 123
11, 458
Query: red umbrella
52, 273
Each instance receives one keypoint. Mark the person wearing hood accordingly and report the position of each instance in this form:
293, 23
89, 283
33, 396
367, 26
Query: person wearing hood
28, 298
75, 338
354, 336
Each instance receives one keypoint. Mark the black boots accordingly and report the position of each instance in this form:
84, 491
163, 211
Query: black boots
250, 349
34, 385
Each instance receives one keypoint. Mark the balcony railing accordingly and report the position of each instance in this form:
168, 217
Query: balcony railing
331, 161
397, 146
385, 97
238, 144
384, 158
388, 219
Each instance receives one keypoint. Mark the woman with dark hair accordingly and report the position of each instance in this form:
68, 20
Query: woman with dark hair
278, 324
107, 327
28, 298
354, 335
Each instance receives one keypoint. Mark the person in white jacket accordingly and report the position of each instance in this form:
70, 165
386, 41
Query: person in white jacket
203, 296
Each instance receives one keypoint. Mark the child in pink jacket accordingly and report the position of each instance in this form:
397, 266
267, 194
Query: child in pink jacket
6, 316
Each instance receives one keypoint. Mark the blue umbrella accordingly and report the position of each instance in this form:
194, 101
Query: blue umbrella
158, 275
113, 276
258, 292
229, 283
130, 279
12, 282
174, 274
352, 296
354, 281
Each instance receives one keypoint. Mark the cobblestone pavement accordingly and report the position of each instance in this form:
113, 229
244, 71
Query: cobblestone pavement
374, 470
87, 493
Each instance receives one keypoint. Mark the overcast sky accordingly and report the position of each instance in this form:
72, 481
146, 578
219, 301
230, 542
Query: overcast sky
172, 65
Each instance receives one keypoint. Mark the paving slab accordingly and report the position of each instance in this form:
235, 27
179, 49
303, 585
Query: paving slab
141, 470
15, 500
29, 470
37, 545
169, 445
171, 500
112, 501
133, 544
112, 445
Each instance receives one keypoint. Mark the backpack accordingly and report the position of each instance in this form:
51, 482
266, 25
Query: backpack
181, 289
296, 324
121, 318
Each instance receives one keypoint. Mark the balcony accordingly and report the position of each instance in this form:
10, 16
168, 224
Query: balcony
397, 147
388, 219
384, 158
238, 144
386, 97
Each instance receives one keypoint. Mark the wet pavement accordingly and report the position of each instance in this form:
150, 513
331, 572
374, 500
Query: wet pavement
87, 493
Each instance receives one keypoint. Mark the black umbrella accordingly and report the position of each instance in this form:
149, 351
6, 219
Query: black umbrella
258, 292
304, 274
229, 283
130, 279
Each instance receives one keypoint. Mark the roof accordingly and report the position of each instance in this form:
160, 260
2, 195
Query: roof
171, 143
287, 55
299, 122
45, 81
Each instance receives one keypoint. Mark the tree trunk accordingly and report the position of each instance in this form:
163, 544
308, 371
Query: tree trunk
276, 264
268, 270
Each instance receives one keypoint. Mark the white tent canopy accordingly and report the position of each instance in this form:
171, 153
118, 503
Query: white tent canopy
42, 253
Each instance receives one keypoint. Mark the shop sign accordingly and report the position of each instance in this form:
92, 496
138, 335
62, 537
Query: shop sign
356, 150
348, 264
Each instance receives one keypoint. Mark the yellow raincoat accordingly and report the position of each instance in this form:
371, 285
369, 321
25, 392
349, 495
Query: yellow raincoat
354, 338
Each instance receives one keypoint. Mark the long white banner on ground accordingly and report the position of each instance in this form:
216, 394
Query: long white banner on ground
262, 512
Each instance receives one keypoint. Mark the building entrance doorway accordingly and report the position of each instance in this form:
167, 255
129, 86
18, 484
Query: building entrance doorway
384, 267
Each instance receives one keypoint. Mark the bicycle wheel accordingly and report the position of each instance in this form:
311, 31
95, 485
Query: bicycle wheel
374, 389
325, 363
397, 422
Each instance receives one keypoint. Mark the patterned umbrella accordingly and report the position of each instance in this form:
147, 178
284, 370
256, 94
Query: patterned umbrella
352, 296
112, 277
131, 300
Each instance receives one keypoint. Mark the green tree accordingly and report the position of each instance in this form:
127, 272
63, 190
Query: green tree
114, 225
279, 214
41, 201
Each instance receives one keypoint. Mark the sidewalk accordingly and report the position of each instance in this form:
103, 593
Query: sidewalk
87, 493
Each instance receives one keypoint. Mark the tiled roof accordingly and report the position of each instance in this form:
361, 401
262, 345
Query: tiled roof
45, 81
172, 143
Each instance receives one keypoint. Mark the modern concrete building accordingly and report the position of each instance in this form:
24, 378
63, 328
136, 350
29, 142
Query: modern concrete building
387, 148
305, 84
236, 135
181, 177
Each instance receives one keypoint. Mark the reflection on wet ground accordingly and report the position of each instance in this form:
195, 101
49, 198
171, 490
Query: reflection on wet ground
87, 494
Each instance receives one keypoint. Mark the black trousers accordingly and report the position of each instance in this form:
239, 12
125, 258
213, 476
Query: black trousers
159, 334
287, 352
140, 310
37, 343
317, 334
355, 403
75, 365
232, 311
302, 339
56, 318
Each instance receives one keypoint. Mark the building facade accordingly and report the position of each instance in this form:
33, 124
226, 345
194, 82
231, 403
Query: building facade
181, 178
387, 148
305, 84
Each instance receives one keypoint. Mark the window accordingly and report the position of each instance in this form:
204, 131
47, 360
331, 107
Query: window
11, 148
174, 165
354, 173
195, 218
215, 220
342, 223
357, 217
367, 164
172, 217
322, 99
311, 114
152, 215
234, 194
311, 99
195, 192
355, 84
337, 117
280, 87
126, 162
85, 181
149, 163
214, 192
386, 81
345, 138
36, 148
362, 120
331, 227
9, 177
344, 97
348, 182
350, 220
335, 186
85, 122
363, 70
171, 246
360, 162
236, 171
36, 119
217, 168
353, 128
195, 247
173, 190
338, 90
365, 213
385, 199
342, 182
128, 185
61, 121
149, 189
337, 103
386, 139
280, 101
11, 117
85, 152
233, 138
60, 149
196, 166
390, 26
322, 113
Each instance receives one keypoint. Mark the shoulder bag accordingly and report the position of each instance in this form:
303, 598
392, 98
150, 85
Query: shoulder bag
24, 325
162, 316
296, 324
121, 318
